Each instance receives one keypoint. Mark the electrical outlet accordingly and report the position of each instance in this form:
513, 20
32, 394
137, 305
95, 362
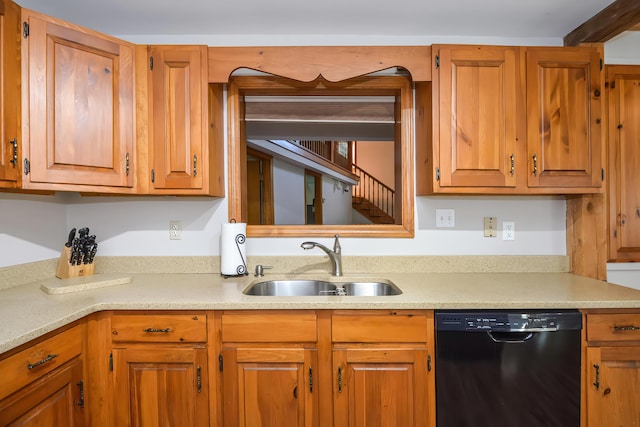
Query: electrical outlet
490, 226
445, 218
175, 230
508, 230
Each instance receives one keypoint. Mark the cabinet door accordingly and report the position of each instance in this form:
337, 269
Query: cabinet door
80, 107
179, 142
56, 399
624, 162
10, 148
613, 386
269, 387
476, 87
380, 387
161, 386
564, 117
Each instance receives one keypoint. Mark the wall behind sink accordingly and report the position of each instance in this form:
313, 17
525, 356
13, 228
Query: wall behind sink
35, 227
139, 227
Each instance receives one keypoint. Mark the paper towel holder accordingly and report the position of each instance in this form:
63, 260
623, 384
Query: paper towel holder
238, 238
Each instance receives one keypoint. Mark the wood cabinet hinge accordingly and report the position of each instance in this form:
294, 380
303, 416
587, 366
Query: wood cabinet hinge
437, 59
199, 378
14, 149
437, 174
602, 174
111, 362
601, 64
429, 363
310, 380
27, 166
151, 63
126, 160
80, 402
25, 29
153, 175
220, 362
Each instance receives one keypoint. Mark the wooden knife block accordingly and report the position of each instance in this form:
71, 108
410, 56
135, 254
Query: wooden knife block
66, 270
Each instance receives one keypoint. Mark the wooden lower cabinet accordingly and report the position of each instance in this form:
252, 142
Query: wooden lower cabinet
161, 386
613, 386
269, 368
327, 368
612, 377
54, 400
160, 375
307, 368
43, 383
269, 387
380, 387
382, 368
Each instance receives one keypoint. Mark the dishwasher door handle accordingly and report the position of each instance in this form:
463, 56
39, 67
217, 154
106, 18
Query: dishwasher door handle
510, 337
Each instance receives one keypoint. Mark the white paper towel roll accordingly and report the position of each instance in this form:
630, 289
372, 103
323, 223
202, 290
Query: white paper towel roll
233, 249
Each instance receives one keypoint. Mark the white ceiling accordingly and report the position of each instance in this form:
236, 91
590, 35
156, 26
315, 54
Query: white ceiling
479, 18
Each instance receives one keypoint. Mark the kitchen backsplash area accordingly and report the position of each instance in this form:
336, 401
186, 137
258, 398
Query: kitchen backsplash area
359, 265
140, 228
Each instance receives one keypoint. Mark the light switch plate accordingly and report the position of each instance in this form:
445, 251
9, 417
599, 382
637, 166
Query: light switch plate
445, 218
490, 226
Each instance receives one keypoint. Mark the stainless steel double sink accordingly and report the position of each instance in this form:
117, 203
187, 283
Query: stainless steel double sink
306, 287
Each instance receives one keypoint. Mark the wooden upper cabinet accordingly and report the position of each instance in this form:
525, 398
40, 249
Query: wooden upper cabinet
10, 148
78, 108
564, 117
184, 149
510, 120
476, 125
623, 93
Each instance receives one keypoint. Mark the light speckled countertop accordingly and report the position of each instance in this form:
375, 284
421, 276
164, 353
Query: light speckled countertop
27, 312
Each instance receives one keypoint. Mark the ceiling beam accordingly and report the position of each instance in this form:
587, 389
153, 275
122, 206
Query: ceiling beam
619, 16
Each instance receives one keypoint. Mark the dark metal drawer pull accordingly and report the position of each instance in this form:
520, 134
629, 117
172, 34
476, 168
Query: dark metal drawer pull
597, 383
155, 330
626, 328
43, 361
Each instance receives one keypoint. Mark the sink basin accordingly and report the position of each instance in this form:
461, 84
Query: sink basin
302, 287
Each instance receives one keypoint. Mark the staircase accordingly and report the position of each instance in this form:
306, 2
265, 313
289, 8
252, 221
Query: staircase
371, 211
373, 199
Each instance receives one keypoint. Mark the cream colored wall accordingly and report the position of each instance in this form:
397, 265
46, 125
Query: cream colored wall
376, 157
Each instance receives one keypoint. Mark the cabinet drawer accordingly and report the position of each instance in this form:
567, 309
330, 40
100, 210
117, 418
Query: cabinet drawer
159, 327
378, 328
28, 365
269, 327
613, 327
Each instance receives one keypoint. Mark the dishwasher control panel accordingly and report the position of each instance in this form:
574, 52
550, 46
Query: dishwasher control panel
508, 321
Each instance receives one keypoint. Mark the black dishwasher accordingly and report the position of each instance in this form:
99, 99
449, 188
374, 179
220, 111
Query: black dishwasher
508, 368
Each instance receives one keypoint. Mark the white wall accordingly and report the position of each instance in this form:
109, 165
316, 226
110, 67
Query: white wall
31, 227
139, 227
336, 207
288, 193
35, 227
623, 49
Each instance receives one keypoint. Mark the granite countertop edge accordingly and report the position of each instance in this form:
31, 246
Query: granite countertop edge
27, 312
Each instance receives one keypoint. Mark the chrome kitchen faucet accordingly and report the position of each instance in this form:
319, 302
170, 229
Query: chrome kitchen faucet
335, 255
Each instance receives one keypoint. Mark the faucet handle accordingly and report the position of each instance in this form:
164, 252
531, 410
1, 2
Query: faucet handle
260, 269
336, 244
